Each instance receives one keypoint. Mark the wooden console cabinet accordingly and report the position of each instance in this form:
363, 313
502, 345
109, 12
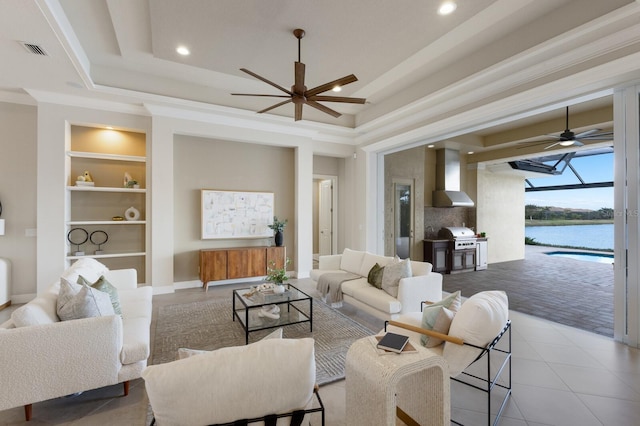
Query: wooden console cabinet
238, 262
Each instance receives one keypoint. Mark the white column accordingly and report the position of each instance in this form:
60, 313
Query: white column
53, 141
304, 207
160, 163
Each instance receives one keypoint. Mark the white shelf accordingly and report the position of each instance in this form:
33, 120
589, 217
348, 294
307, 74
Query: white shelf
105, 189
106, 222
108, 255
85, 204
101, 156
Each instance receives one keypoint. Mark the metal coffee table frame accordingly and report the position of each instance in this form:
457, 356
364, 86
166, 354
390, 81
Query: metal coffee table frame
247, 311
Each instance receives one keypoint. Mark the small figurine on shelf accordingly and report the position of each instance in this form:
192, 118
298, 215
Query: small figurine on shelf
85, 179
130, 182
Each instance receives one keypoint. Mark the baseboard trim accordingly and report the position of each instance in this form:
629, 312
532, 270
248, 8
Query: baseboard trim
18, 299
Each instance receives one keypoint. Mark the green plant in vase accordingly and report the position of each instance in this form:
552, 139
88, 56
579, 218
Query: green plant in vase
276, 275
278, 227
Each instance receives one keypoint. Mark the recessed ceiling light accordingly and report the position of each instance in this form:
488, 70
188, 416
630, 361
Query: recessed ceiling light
337, 89
431, 146
182, 50
447, 7
470, 152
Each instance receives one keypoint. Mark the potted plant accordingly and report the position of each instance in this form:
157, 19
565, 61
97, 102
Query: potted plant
132, 184
277, 276
278, 227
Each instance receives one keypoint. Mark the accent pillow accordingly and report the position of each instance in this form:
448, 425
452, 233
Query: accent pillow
106, 287
41, 310
438, 317
375, 276
392, 275
88, 267
67, 292
186, 352
478, 322
86, 303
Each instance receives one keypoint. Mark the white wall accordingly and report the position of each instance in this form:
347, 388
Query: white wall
18, 194
500, 213
201, 163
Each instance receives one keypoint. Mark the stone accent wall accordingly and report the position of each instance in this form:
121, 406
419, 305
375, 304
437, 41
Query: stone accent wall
436, 218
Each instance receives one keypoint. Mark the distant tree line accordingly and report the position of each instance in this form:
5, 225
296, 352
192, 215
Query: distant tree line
556, 213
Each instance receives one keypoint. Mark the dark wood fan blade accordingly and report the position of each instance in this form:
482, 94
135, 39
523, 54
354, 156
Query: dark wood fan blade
267, 96
337, 99
598, 138
552, 145
298, 86
587, 133
604, 136
274, 106
532, 143
328, 86
298, 112
265, 80
323, 108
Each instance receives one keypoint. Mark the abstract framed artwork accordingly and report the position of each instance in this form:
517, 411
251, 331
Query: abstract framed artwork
236, 214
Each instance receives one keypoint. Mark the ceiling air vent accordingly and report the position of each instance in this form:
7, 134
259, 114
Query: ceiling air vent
34, 48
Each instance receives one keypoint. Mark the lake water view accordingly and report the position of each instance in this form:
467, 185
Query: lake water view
598, 237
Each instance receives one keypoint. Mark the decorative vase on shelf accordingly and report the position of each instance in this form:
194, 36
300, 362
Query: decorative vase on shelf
279, 236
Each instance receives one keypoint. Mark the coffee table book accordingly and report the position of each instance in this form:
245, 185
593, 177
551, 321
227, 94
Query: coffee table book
393, 342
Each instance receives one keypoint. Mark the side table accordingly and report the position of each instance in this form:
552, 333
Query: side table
416, 383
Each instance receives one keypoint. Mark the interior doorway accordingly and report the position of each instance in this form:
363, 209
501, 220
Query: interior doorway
403, 217
325, 210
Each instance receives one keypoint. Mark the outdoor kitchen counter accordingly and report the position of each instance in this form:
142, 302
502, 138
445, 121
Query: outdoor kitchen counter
436, 252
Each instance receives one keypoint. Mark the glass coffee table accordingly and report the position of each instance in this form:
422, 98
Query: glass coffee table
293, 309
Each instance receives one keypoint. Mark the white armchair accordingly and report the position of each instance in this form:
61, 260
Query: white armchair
271, 378
415, 386
475, 335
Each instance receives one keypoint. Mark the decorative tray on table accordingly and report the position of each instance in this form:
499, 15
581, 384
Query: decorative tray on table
266, 293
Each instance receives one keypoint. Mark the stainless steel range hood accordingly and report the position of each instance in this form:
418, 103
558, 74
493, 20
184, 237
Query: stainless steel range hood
447, 193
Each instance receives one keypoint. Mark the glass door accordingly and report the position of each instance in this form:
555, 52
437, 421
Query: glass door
403, 217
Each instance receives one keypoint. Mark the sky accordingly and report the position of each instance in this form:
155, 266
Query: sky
594, 168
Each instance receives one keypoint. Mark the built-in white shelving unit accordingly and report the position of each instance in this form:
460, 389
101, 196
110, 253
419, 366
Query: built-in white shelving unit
107, 156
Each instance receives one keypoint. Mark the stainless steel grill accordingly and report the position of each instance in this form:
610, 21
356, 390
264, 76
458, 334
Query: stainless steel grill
463, 238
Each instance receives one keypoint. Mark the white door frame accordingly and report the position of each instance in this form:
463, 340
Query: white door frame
334, 214
626, 131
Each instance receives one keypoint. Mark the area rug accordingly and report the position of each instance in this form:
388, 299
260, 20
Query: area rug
208, 325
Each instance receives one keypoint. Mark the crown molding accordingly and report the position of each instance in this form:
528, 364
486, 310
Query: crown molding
610, 35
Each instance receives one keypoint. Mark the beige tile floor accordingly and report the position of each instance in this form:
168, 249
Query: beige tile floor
561, 376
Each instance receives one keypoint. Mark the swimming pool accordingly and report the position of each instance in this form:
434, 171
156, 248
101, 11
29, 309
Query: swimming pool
579, 255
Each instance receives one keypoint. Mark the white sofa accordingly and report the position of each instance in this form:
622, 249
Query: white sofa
424, 284
46, 358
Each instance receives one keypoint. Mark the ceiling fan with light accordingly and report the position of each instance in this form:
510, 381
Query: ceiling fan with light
569, 138
299, 95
